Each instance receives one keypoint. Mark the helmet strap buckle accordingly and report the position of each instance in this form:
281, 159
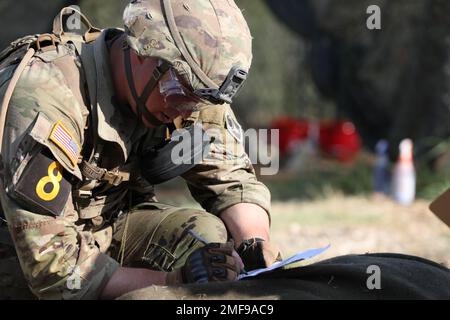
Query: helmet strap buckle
228, 90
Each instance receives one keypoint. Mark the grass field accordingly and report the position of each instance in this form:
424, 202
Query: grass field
333, 204
359, 224
351, 224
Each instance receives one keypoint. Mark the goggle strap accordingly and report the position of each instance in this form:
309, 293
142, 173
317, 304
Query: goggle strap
141, 100
129, 73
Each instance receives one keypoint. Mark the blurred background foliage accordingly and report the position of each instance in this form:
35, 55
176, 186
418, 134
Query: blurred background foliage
381, 81
279, 82
316, 60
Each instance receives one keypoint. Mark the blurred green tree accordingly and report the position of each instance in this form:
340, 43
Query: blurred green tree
104, 13
279, 82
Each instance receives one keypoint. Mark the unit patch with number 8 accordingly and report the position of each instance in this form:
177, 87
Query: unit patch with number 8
43, 185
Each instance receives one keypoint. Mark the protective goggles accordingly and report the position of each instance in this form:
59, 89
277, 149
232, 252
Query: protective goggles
178, 96
172, 89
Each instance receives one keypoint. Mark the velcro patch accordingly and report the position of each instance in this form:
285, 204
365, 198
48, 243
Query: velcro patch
65, 141
43, 185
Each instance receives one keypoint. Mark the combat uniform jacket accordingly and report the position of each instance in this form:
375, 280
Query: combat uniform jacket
63, 112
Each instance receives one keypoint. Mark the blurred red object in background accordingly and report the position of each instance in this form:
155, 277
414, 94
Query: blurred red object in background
292, 131
340, 140
337, 139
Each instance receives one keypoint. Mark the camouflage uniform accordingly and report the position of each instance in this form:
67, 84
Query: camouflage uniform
70, 231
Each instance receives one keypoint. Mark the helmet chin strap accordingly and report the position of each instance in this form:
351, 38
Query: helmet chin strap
141, 101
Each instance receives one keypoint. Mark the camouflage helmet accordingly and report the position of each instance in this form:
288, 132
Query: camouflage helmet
202, 40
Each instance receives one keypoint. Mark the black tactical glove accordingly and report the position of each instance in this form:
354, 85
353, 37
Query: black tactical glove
257, 253
213, 262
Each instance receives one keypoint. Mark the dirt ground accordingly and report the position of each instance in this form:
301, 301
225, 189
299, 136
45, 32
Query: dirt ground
360, 225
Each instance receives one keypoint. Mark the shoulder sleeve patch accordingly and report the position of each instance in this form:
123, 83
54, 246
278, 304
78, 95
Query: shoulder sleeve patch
234, 128
61, 142
66, 142
43, 186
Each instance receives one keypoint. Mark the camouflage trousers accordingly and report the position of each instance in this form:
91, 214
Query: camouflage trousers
161, 237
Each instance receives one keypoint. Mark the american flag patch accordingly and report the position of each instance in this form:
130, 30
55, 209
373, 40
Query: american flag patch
64, 140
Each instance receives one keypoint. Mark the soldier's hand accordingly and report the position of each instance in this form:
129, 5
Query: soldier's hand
213, 262
257, 253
